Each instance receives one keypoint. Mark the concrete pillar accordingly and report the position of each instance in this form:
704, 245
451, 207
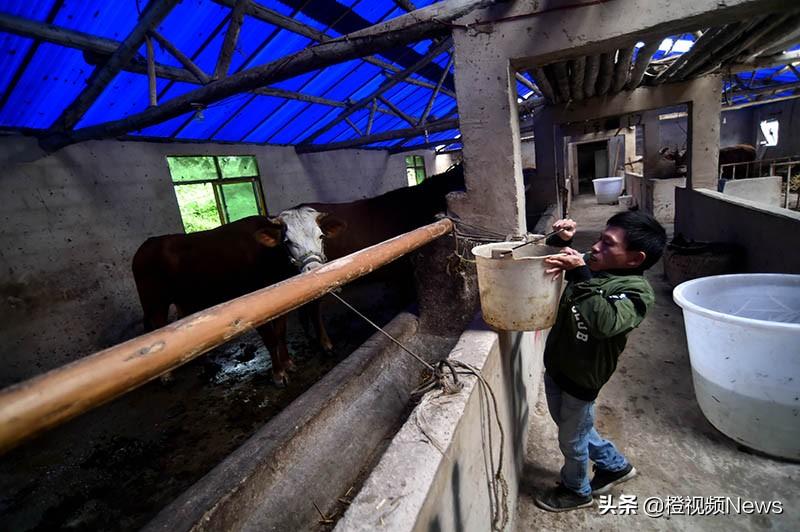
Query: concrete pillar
548, 136
652, 143
487, 106
703, 134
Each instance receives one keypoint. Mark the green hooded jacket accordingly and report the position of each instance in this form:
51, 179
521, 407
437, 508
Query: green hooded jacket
594, 318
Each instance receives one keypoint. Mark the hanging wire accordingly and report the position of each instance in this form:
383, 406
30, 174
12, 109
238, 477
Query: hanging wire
498, 486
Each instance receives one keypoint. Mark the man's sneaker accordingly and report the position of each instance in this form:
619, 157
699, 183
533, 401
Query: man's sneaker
561, 499
604, 480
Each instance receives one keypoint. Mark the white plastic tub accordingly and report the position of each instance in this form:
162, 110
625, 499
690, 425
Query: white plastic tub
607, 189
743, 333
516, 294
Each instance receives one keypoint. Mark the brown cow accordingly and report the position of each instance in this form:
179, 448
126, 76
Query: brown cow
373, 220
198, 270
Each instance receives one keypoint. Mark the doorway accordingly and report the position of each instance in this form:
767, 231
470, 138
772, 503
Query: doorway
592, 163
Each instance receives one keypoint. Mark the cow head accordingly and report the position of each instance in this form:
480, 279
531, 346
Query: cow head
304, 231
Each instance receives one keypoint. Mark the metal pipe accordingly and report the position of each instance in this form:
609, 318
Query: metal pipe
43, 402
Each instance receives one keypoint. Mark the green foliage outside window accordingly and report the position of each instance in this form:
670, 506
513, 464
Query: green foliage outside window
415, 169
214, 190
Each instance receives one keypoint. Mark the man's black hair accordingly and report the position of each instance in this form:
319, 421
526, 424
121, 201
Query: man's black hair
642, 233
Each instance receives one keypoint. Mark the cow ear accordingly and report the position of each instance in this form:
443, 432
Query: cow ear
331, 225
270, 236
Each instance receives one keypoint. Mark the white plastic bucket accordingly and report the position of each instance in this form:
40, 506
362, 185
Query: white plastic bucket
743, 333
607, 189
515, 292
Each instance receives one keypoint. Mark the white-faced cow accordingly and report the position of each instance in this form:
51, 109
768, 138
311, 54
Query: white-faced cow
373, 220
198, 270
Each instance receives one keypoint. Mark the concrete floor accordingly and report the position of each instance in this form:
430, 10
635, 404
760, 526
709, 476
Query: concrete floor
649, 410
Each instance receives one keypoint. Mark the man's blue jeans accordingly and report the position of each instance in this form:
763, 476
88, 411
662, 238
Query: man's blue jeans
578, 440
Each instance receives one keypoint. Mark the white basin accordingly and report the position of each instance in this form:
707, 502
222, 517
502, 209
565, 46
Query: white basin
743, 333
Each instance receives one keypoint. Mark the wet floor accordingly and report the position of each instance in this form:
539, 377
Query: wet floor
114, 468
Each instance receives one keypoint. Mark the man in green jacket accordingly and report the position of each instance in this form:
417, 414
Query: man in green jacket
606, 297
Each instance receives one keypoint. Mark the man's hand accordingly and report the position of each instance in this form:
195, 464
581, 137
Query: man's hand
568, 227
568, 259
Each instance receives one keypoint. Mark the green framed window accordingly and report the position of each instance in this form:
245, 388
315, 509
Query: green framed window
415, 169
215, 190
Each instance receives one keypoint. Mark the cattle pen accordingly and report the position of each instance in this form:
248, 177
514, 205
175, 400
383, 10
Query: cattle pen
238, 291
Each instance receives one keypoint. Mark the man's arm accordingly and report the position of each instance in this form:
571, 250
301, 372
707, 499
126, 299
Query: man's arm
610, 315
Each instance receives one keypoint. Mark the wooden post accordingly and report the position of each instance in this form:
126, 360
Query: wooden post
151, 72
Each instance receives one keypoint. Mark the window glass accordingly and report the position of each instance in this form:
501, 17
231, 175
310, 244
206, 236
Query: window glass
214, 190
198, 207
240, 200
192, 168
237, 166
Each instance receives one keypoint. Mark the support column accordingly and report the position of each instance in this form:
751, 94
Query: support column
487, 106
703, 134
548, 137
652, 143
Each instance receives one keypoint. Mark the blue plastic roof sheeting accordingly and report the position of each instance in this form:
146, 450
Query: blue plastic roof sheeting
39, 80
14, 51
112, 20
54, 78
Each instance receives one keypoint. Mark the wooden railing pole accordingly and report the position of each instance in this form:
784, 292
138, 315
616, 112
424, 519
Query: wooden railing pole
33, 406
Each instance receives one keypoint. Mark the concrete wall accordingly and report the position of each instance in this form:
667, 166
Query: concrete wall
654, 196
434, 474
736, 127
766, 190
769, 234
72, 220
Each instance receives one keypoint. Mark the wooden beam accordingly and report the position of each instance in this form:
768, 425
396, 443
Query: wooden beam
434, 52
588, 27
577, 75
58, 35
720, 44
643, 58
432, 127
543, 83
397, 111
734, 107
423, 146
405, 4
429, 23
766, 42
605, 77
355, 128
766, 62
623, 69
182, 58
591, 70
231, 38
269, 16
525, 81
699, 48
766, 27
371, 115
435, 92
769, 89
19, 71
153, 14
151, 72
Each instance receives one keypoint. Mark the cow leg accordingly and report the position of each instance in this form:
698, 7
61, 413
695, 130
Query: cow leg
274, 336
322, 335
